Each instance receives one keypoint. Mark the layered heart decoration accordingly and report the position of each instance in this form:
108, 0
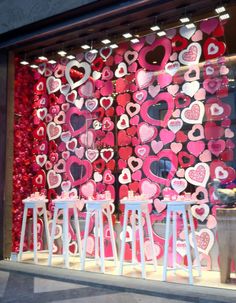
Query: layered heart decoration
191, 55
216, 110
88, 189
200, 212
152, 110
198, 175
149, 189
83, 76
213, 48
162, 167
221, 171
179, 185
78, 121
78, 171
205, 240
160, 46
53, 179
146, 132
194, 113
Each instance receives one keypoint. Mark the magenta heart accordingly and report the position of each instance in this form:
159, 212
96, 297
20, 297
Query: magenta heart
78, 171
164, 79
196, 148
163, 43
151, 114
216, 147
148, 163
166, 136
208, 26
137, 175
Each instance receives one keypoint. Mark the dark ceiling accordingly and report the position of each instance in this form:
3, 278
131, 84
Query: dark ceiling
109, 19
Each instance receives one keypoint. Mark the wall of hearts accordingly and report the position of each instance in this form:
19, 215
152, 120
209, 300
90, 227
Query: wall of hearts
154, 115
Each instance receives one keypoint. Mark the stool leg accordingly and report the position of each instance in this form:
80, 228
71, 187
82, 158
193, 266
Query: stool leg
54, 222
174, 239
77, 230
46, 225
113, 241
133, 237
167, 235
35, 232
96, 236
141, 241
65, 237
22, 236
149, 226
194, 241
86, 231
122, 254
187, 247
102, 256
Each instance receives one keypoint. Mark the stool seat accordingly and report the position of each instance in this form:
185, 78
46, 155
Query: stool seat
97, 208
139, 205
183, 207
34, 204
65, 205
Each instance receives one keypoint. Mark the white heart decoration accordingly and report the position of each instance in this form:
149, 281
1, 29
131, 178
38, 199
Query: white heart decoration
205, 240
194, 113
198, 175
123, 123
172, 67
190, 88
53, 130
107, 154
108, 51
53, 179
191, 55
125, 176
181, 248
129, 232
175, 125
65, 185
97, 177
179, 185
121, 70
187, 32
216, 109
200, 212
53, 84
91, 154
90, 56
41, 160
87, 71
41, 113
91, 104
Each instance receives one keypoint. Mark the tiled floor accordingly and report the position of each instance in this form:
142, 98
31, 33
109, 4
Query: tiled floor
208, 278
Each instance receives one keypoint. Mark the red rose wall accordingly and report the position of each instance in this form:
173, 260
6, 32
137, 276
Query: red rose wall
150, 117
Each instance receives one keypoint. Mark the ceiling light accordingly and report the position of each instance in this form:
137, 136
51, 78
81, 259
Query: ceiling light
135, 40
24, 62
93, 51
114, 46
85, 46
224, 16
106, 41
62, 53
220, 9
70, 57
190, 25
184, 19
34, 66
161, 33
52, 61
127, 35
155, 28
43, 58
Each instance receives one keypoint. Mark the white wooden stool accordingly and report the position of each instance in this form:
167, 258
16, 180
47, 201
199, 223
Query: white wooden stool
183, 207
34, 204
65, 204
97, 208
139, 206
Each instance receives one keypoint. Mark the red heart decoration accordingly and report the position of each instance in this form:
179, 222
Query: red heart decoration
131, 131
181, 137
213, 131
123, 99
111, 164
97, 64
134, 186
83, 166
39, 180
227, 155
181, 100
122, 85
221, 171
40, 132
125, 152
76, 121
185, 159
123, 138
99, 165
178, 43
213, 48
216, 110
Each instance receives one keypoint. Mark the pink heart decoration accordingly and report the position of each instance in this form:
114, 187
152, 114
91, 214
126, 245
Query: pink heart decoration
156, 146
211, 222
212, 85
196, 148
166, 136
159, 205
132, 109
143, 78
142, 151
200, 212
87, 90
175, 125
53, 179
164, 79
53, 131
146, 132
176, 147
208, 26
140, 96
153, 90
192, 69
163, 43
192, 133
191, 55
198, 175
194, 113
205, 240
216, 147
204, 191
162, 97
162, 154
179, 185
53, 84
200, 94
80, 165
205, 156
81, 116
149, 189
197, 36
87, 139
